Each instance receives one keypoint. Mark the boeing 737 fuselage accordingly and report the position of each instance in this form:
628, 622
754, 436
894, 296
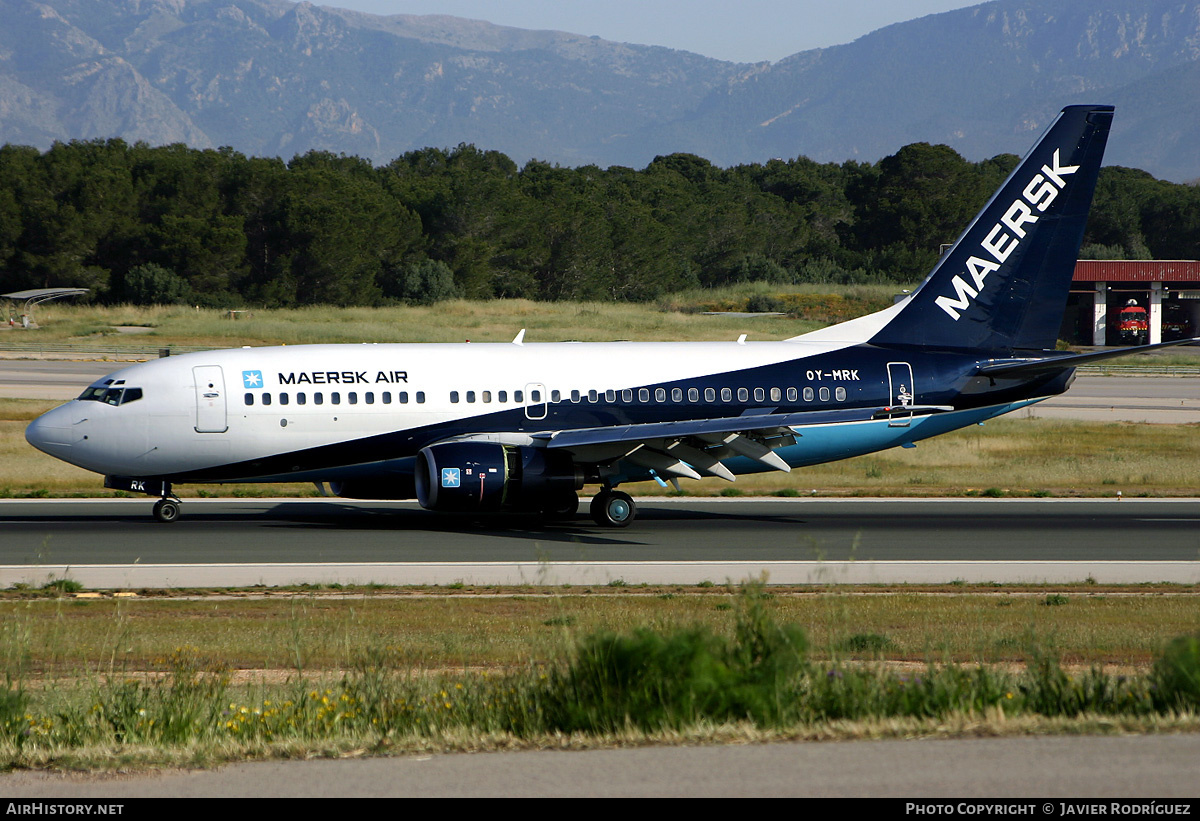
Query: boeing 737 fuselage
524, 426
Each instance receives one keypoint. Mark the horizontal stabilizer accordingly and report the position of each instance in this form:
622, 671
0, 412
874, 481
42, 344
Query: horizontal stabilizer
1013, 367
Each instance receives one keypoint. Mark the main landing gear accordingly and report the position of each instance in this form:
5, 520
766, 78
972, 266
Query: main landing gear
613, 508
562, 507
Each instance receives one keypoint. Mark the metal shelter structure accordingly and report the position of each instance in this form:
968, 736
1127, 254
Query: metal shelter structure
37, 296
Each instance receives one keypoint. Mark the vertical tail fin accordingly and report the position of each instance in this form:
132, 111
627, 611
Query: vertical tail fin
1004, 284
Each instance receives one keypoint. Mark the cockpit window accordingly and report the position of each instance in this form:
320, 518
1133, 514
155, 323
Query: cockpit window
111, 396
92, 394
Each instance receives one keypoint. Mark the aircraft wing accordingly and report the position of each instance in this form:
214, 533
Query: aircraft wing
694, 447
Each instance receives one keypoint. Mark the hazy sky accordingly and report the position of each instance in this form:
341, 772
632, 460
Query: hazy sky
741, 30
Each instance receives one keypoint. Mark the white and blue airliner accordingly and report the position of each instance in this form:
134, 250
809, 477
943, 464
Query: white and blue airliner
524, 427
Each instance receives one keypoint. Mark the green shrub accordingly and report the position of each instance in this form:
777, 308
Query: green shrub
150, 284
63, 585
866, 643
653, 681
1175, 679
427, 282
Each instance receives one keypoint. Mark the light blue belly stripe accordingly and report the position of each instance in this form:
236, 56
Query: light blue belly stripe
828, 443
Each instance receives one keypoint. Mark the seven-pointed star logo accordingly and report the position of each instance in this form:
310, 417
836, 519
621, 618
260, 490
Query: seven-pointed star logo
450, 477
252, 379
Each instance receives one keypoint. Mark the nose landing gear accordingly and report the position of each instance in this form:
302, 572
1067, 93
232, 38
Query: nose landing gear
166, 510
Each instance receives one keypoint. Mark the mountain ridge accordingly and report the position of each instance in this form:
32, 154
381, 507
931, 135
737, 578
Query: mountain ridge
273, 77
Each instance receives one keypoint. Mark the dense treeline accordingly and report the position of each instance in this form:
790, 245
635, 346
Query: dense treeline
174, 224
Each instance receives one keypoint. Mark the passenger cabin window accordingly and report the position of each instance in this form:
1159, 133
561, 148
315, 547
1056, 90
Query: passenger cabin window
693, 394
369, 396
710, 394
301, 398
318, 398
759, 395
266, 398
824, 394
726, 394
676, 394
660, 394
743, 395
420, 397
839, 394
808, 394
627, 396
250, 398
283, 398
792, 394
643, 394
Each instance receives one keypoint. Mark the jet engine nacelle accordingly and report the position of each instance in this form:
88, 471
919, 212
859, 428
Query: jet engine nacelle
488, 476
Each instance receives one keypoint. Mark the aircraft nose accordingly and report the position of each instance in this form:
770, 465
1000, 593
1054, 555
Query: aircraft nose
50, 432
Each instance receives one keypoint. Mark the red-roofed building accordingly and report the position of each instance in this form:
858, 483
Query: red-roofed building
1132, 301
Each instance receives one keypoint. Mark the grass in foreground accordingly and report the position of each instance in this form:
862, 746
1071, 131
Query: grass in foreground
747, 675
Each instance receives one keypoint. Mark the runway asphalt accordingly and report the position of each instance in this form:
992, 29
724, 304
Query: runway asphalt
115, 543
